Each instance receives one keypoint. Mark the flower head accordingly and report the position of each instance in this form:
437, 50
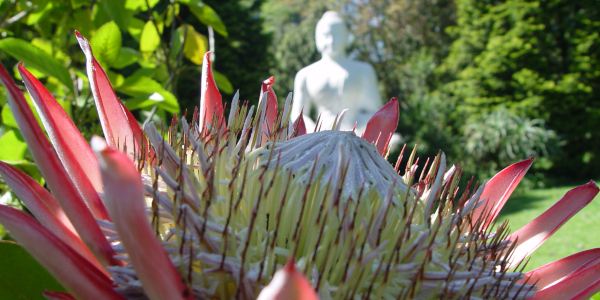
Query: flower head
215, 207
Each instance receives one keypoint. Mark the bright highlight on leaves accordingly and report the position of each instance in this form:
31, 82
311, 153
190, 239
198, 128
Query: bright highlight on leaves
206, 15
126, 57
142, 87
195, 44
12, 146
150, 38
223, 83
106, 43
140, 4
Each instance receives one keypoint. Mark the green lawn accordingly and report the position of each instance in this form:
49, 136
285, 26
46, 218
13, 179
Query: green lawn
580, 233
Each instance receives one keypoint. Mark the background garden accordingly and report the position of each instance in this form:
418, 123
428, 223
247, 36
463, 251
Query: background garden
489, 82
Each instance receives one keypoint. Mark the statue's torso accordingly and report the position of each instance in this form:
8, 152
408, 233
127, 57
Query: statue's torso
333, 86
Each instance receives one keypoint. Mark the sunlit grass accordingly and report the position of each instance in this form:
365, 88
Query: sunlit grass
579, 233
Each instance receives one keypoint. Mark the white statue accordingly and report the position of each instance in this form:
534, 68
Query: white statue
336, 82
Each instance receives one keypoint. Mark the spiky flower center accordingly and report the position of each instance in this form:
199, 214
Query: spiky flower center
230, 213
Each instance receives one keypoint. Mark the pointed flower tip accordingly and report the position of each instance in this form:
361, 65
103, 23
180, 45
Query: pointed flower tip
104, 153
211, 104
290, 266
288, 283
269, 81
592, 184
498, 189
528, 161
518, 167
206, 58
98, 144
299, 126
382, 125
84, 44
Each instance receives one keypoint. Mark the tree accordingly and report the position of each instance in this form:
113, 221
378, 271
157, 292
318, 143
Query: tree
539, 59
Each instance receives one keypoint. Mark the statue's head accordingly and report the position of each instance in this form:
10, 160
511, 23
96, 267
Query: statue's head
331, 35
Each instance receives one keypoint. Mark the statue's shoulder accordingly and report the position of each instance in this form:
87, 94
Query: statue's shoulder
306, 71
313, 67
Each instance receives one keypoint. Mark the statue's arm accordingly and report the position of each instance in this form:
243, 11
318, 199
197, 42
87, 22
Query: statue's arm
301, 102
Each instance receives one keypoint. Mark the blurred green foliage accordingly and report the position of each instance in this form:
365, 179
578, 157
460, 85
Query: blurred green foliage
144, 46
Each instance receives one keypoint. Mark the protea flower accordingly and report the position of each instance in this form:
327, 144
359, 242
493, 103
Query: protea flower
251, 206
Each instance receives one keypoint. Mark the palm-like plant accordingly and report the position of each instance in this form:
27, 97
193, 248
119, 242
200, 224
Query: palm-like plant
213, 208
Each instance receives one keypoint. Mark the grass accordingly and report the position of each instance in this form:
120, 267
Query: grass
581, 232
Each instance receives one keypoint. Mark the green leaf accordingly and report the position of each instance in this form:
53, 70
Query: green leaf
207, 16
172, 13
223, 83
75, 4
150, 38
127, 56
50, 49
117, 12
8, 119
139, 85
37, 58
106, 43
40, 13
82, 21
135, 28
175, 44
139, 4
2, 96
141, 103
21, 277
116, 79
12, 146
142, 86
163, 99
195, 44
169, 102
